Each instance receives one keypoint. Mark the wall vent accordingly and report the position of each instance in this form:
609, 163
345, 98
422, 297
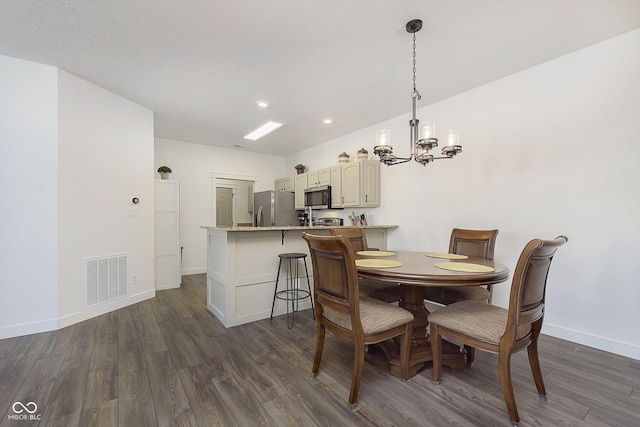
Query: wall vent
105, 279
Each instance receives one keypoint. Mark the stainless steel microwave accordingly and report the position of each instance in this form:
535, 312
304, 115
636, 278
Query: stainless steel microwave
318, 197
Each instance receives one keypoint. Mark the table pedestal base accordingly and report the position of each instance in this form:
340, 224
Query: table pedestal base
412, 299
451, 357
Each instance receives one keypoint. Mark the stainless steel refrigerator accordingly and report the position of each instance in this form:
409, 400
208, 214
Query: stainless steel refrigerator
274, 209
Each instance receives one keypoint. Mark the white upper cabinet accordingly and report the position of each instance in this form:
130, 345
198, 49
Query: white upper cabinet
370, 188
361, 184
353, 184
285, 184
300, 184
324, 176
313, 179
289, 184
335, 173
319, 178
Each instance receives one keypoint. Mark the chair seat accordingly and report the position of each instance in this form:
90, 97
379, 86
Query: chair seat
376, 316
478, 320
379, 290
450, 294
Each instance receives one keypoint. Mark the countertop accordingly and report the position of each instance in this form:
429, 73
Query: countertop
292, 227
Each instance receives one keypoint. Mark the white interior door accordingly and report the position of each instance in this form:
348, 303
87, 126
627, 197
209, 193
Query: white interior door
224, 207
167, 234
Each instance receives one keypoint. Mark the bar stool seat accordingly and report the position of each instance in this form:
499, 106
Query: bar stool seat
292, 294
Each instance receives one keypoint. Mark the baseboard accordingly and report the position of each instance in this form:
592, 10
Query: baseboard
219, 314
162, 288
189, 271
96, 311
28, 328
601, 343
72, 319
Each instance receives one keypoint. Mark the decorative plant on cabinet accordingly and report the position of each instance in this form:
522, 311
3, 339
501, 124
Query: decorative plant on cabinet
164, 172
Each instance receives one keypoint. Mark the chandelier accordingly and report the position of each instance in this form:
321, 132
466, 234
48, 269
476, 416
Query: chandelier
421, 140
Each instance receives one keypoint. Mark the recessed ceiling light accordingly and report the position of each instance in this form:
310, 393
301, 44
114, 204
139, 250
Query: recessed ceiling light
262, 104
264, 129
327, 121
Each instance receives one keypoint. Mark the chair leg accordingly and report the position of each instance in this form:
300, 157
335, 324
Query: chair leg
471, 354
405, 350
291, 294
534, 362
358, 366
313, 314
275, 290
504, 368
436, 352
319, 347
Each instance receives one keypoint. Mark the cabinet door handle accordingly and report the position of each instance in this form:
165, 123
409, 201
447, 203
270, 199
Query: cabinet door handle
366, 198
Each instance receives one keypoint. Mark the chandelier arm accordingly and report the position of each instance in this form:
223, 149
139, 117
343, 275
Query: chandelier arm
399, 160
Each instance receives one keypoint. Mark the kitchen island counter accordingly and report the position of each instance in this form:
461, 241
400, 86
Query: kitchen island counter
242, 264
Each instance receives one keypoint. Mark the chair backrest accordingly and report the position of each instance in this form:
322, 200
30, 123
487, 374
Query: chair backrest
355, 236
526, 301
335, 276
473, 243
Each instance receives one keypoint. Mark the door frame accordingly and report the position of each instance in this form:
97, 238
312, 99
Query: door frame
222, 180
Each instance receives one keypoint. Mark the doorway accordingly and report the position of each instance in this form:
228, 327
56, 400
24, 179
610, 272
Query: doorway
232, 201
224, 207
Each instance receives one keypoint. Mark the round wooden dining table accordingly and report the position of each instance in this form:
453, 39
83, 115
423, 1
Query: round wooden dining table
417, 270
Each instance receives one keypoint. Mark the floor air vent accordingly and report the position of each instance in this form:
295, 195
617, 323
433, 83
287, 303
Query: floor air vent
105, 279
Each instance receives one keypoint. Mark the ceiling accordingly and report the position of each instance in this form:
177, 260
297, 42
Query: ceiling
201, 66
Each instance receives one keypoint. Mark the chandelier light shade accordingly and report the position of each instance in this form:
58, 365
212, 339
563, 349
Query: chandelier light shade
422, 139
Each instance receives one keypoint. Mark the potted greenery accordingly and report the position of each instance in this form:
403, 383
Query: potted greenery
164, 172
300, 168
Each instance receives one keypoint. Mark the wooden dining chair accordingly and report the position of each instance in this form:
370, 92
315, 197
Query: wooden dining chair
473, 243
341, 310
499, 330
378, 290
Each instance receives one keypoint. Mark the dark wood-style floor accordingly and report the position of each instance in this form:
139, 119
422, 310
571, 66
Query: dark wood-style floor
169, 362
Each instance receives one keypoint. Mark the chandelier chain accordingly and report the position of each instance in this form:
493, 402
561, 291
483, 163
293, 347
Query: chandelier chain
415, 93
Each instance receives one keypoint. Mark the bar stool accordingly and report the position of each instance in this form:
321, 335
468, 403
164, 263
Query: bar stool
292, 293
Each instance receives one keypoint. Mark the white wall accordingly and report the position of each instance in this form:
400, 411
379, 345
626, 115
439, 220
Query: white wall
193, 165
28, 183
105, 157
551, 150
72, 155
